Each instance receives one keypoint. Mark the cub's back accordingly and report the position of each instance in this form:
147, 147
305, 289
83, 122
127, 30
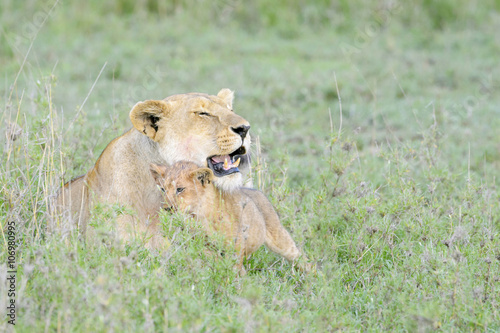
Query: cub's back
263, 204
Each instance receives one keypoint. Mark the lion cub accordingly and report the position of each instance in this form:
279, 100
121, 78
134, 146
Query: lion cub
243, 216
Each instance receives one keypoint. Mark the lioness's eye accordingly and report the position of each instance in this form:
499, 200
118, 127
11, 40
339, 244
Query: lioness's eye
179, 190
204, 114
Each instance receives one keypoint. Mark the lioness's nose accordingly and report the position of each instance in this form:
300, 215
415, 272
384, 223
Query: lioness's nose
241, 130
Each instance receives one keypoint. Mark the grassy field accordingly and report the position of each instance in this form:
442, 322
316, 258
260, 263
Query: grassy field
376, 138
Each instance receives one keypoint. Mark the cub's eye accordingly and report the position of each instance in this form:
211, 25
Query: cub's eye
179, 190
206, 114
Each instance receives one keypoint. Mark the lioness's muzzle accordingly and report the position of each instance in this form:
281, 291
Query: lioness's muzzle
223, 165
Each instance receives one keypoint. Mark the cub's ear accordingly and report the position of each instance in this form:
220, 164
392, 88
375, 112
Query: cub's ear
145, 116
204, 175
227, 96
158, 172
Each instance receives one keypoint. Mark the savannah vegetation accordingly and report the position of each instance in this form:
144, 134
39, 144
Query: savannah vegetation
375, 128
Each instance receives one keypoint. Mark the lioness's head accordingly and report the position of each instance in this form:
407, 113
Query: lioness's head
184, 185
199, 128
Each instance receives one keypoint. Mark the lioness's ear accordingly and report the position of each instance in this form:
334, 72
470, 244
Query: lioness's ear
145, 116
203, 175
227, 96
158, 172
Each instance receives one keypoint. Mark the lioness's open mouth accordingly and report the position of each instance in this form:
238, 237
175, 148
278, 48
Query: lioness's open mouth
223, 165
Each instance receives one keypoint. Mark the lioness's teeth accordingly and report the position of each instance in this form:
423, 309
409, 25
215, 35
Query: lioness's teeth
226, 165
235, 164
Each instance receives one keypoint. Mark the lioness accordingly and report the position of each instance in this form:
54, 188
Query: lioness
244, 216
196, 127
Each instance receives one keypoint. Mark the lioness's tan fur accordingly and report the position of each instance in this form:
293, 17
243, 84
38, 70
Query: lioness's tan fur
189, 127
244, 216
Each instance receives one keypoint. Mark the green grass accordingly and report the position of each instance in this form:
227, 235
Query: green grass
393, 194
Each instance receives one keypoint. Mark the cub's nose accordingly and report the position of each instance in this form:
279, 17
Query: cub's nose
241, 130
169, 209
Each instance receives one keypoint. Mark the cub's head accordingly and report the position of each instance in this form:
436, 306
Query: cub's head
184, 185
199, 128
